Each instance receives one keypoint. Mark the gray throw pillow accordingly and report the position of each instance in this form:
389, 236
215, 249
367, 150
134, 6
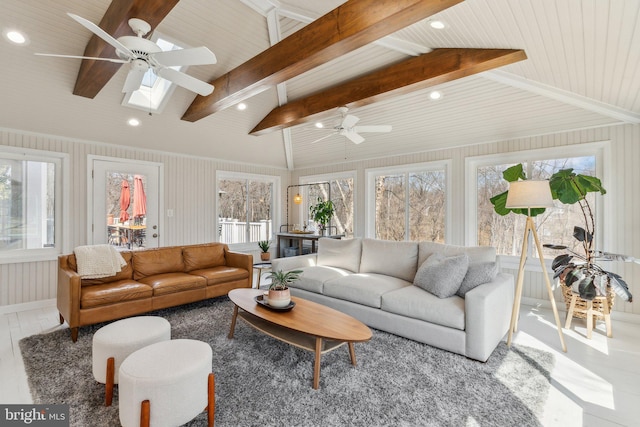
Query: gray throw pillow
477, 274
442, 275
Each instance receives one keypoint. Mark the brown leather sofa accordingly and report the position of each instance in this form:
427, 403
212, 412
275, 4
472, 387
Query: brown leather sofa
151, 280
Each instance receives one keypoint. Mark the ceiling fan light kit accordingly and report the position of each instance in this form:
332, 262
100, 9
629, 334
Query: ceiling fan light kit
143, 54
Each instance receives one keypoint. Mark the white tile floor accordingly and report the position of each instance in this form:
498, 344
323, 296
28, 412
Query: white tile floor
596, 383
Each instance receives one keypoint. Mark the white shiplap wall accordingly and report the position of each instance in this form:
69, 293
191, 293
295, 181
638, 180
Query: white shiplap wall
189, 189
623, 189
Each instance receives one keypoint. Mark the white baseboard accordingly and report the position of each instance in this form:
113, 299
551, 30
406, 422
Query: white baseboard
615, 315
25, 306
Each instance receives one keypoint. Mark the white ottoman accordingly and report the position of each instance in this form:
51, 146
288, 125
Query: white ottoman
167, 384
114, 342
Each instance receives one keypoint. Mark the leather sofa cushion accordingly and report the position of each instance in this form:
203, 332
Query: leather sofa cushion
396, 259
205, 256
343, 254
113, 293
221, 274
169, 283
125, 273
157, 261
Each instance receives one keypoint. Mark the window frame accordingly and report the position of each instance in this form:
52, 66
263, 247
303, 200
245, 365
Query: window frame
274, 180
61, 196
372, 173
602, 152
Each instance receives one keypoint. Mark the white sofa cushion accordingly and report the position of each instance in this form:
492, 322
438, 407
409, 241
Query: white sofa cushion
343, 254
365, 289
417, 303
441, 275
476, 254
396, 259
313, 278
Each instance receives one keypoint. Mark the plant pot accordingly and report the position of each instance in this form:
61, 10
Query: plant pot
265, 256
581, 304
279, 298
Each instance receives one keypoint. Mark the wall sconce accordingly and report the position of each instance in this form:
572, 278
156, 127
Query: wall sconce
297, 199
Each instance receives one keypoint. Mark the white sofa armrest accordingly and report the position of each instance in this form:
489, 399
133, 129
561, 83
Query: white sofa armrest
291, 263
487, 315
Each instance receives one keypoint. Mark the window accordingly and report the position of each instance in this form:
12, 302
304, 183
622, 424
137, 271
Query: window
555, 225
342, 195
30, 204
408, 203
245, 207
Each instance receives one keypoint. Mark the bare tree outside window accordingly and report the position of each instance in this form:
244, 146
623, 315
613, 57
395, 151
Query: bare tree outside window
342, 197
390, 207
244, 210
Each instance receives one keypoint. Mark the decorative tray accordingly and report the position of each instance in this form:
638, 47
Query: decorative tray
260, 301
301, 232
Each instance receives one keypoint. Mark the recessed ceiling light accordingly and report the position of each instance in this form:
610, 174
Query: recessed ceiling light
242, 106
133, 122
15, 37
438, 25
435, 95
319, 125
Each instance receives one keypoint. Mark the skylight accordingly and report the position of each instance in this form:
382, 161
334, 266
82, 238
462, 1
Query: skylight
154, 91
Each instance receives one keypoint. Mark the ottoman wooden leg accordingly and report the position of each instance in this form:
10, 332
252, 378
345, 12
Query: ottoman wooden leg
211, 406
145, 413
108, 386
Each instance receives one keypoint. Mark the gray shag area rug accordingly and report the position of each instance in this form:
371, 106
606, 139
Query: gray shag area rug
263, 382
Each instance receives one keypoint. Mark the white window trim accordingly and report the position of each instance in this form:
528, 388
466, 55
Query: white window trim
371, 173
328, 177
62, 197
276, 197
601, 150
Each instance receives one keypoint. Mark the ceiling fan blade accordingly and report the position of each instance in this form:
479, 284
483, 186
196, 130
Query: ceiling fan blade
134, 80
354, 137
185, 80
378, 128
119, 61
324, 137
102, 34
349, 121
192, 56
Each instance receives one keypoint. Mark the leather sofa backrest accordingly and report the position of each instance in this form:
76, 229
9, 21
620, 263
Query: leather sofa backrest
125, 273
150, 262
204, 256
396, 259
476, 254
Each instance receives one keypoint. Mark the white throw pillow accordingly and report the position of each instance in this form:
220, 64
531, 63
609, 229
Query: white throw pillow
340, 253
442, 276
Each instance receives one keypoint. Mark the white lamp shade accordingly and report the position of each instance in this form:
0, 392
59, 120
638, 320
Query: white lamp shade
529, 194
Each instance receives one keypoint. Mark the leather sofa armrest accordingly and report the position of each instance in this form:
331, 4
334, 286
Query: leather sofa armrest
487, 315
68, 295
291, 263
240, 260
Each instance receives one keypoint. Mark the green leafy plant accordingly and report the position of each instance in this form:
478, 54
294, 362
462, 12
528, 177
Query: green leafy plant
575, 270
322, 212
281, 280
264, 245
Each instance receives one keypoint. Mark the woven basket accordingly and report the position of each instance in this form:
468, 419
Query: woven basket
581, 304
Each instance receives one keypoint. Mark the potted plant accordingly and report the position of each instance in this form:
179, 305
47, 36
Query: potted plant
577, 272
279, 295
322, 212
264, 245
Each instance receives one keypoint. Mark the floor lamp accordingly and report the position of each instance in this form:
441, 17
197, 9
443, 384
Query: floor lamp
526, 195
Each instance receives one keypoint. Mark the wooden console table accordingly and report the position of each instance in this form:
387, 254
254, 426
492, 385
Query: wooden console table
300, 238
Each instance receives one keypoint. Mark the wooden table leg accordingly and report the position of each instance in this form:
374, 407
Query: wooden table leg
352, 354
316, 364
211, 400
233, 321
111, 372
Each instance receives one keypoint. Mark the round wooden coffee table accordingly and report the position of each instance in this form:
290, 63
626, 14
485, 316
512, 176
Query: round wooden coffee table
309, 326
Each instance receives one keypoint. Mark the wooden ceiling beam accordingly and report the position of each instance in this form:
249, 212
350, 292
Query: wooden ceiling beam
429, 69
344, 29
94, 75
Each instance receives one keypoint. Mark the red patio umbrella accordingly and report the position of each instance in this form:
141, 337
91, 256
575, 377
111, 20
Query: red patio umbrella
139, 198
125, 200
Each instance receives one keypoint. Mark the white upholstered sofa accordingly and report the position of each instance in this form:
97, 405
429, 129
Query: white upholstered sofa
372, 280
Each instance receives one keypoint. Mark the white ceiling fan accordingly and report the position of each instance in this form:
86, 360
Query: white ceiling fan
347, 127
144, 54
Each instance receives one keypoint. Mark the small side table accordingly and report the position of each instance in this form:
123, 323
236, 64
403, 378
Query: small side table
261, 267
